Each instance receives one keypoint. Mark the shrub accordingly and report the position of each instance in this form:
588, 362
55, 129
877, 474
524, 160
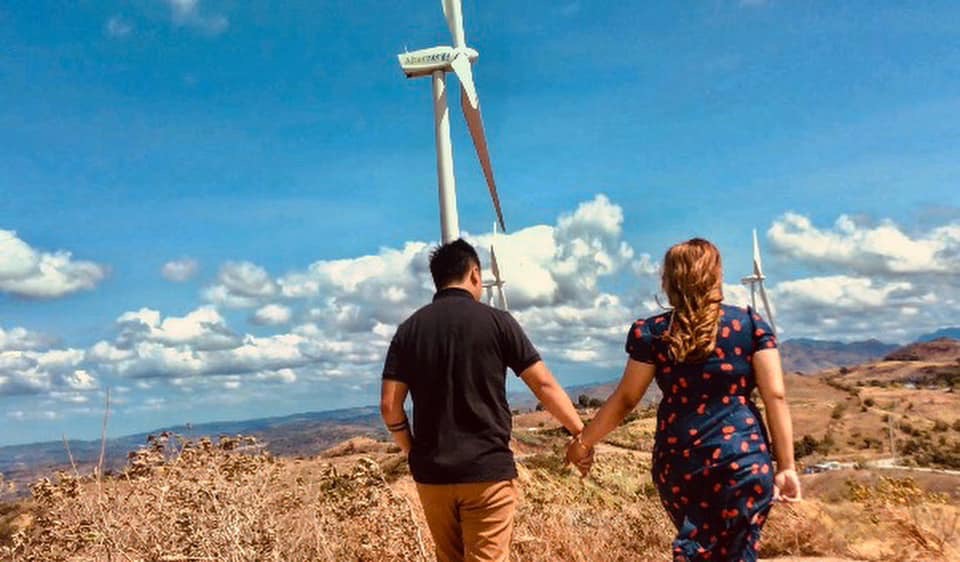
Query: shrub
940, 426
838, 411
870, 402
805, 447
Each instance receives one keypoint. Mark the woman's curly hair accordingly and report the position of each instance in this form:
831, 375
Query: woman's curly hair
693, 281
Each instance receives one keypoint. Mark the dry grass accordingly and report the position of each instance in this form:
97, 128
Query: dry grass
229, 500
182, 500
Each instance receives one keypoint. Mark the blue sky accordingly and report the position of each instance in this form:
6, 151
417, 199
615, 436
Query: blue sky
249, 146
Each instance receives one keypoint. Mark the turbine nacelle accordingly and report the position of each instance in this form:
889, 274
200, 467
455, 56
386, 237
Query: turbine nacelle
425, 62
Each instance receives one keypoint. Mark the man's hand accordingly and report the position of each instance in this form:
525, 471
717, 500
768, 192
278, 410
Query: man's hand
580, 456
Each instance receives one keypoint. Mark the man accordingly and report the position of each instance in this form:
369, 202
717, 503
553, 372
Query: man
452, 356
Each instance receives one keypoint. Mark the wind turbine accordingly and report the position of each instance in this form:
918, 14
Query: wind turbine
498, 281
756, 280
436, 62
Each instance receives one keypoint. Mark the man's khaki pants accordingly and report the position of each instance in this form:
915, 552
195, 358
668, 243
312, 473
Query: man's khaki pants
470, 522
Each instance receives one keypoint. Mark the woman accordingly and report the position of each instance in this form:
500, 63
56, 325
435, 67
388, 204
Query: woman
711, 456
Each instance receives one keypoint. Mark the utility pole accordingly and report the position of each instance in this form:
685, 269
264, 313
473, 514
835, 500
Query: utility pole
893, 447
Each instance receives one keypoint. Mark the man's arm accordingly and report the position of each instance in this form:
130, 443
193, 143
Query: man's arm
392, 396
554, 399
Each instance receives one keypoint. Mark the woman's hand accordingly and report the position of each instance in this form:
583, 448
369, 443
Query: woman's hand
786, 486
579, 455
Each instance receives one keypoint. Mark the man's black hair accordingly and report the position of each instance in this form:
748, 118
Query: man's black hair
450, 263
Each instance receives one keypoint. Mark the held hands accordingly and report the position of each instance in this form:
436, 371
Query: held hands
786, 486
579, 455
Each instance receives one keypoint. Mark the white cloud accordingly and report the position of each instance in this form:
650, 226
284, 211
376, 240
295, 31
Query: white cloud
841, 291
272, 315
883, 249
180, 270
351, 308
872, 279
241, 285
202, 329
117, 26
28, 365
187, 13
28, 273
285, 376
21, 339
36, 415
575, 286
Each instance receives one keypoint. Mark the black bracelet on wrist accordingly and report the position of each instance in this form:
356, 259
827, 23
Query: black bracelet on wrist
399, 426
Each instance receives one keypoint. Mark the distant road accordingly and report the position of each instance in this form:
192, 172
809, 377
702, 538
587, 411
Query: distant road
888, 464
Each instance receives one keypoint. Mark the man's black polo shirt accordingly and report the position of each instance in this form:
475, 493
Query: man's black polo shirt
453, 354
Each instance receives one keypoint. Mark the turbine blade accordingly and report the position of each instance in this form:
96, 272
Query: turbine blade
494, 265
503, 297
453, 11
753, 295
766, 307
462, 68
757, 270
475, 124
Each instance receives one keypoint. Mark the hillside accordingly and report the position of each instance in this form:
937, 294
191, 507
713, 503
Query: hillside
852, 413
230, 500
940, 349
952, 333
809, 356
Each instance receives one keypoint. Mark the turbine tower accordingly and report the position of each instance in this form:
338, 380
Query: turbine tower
436, 62
755, 281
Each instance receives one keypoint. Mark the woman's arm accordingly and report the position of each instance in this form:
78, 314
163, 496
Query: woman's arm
769, 374
636, 378
766, 365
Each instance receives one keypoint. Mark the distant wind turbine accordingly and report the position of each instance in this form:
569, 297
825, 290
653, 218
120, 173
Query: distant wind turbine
498, 281
755, 281
436, 62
